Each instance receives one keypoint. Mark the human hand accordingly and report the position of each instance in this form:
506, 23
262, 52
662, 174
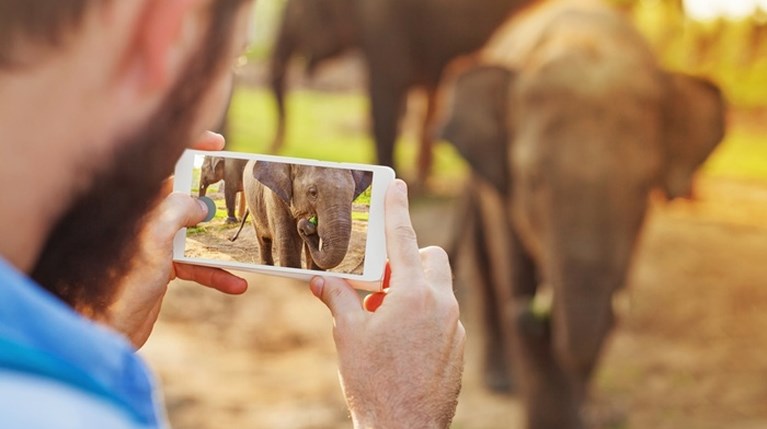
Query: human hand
137, 306
401, 365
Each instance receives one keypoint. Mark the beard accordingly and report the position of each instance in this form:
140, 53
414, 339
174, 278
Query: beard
93, 244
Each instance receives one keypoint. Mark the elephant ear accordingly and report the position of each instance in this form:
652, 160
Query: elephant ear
362, 180
477, 124
275, 176
217, 163
694, 124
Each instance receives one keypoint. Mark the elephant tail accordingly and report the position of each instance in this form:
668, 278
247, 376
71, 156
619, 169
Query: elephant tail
242, 224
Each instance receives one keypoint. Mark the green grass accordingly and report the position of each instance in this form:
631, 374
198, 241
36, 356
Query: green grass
364, 198
361, 216
742, 155
324, 126
726, 60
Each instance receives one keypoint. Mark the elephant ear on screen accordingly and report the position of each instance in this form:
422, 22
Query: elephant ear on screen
217, 164
478, 125
362, 180
694, 124
275, 176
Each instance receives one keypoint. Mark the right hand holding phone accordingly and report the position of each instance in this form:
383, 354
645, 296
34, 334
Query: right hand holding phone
401, 365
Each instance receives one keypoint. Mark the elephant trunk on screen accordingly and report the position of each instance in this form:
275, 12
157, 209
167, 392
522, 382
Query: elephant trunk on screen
329, 245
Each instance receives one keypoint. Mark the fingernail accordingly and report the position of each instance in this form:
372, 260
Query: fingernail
203, 205
209, 208
401, 185
317, 284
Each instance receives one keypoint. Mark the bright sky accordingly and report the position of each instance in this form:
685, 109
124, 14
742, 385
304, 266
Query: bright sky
710, 9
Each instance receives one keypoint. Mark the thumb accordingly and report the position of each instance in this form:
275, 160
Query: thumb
177, 211
337, 295
180, 210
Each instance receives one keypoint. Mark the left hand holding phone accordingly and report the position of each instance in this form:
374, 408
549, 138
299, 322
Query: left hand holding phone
137, 307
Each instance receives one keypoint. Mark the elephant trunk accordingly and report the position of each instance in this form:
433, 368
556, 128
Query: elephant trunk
203, 189
329, 245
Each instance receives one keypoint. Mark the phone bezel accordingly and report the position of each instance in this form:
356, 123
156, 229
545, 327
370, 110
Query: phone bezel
375, 246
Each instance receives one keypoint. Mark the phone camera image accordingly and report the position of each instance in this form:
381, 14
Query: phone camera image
281, 214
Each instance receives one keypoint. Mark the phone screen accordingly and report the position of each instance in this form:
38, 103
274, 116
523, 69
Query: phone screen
285, 215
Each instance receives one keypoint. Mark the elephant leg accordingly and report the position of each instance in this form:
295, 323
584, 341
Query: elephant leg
545, 389
386, 102
284, 48
498, 373
426, 151
230, 194
265, 251
465, 214
549, 397
243, 207
289, 247
491, 237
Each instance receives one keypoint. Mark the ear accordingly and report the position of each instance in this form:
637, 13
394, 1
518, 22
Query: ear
694, 124
478, 123
362, 180
161, 40
275, 176
218, 162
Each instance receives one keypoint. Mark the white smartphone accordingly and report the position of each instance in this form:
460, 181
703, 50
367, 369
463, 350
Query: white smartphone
304, 217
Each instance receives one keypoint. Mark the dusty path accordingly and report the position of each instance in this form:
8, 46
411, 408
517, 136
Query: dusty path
689, 351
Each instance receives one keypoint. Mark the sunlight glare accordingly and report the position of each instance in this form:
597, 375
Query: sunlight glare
706, 10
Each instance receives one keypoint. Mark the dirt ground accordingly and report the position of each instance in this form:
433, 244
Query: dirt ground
212, 241
690, 349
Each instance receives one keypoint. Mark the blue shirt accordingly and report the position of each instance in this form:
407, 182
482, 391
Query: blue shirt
60, 370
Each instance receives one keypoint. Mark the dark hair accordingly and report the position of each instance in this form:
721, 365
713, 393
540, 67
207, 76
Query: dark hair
41, 22
87, 254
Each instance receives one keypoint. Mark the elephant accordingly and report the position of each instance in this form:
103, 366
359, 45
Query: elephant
319, 30
566, 138
406, 44
215, 169
297, 207
409, 44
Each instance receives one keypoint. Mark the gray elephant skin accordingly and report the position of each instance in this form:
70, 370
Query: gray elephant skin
406, 44
317, 30
566, 141
284, 198
213, 170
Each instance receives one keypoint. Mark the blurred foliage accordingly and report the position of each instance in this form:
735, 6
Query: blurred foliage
327, 126
731, 52
266, 19
742, 155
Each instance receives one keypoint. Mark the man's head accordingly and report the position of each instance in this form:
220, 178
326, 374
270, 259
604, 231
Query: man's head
123, 86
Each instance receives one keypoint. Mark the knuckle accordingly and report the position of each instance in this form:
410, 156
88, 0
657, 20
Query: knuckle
453, 309
437, 255
405, 232
334, 294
